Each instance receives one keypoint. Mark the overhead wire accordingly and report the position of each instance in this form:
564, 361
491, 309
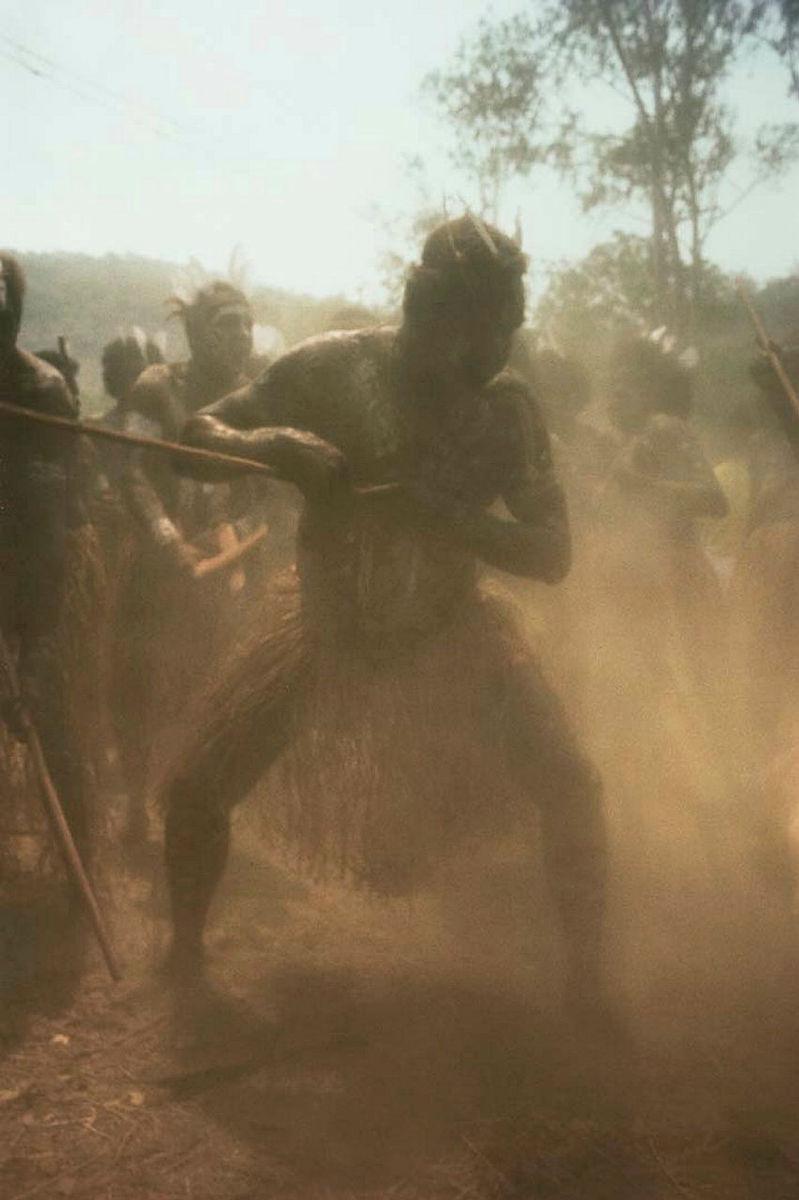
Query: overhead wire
43, 67
118, 97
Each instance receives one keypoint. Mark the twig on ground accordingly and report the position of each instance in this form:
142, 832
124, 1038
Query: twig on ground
478, 1153
664, 1167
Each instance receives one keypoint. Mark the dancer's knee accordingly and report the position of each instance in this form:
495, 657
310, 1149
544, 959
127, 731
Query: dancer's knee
192, 811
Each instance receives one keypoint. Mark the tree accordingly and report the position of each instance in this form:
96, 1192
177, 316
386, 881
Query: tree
587, 304
404, 232
783, 36
612, 288
671, 58
668, 59
493, 97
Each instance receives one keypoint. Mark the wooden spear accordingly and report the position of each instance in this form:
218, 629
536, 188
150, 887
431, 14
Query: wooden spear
767, 346
100, 433
56, 816
176, 449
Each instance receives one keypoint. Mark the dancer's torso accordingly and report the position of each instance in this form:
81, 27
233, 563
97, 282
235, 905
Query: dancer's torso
365, 575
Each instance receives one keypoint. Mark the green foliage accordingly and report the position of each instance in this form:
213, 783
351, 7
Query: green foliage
404, 233
493, 96
610, 288
408, 235
613, 288
587, 304
503, 95
779, 302
783, 35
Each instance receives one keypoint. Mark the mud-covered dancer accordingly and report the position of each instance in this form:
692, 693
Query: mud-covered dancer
389, 682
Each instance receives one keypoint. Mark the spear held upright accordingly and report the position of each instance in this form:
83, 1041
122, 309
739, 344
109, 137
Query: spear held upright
788, 415
55, 814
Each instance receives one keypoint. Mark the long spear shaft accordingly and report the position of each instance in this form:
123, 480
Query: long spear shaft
135, 440
193, 453
766, 346
57, 818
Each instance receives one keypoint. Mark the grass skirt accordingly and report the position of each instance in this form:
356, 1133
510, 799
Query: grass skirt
374, 771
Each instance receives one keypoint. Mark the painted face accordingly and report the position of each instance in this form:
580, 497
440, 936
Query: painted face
483, 349
474, 346
229, 337
490, 331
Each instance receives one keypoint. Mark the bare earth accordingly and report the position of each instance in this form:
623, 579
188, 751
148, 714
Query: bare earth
355, 1048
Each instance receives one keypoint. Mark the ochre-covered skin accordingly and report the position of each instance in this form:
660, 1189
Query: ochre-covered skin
218, 326
167, 633
388, 586
40, 508
162, 399
37, 468
395, 566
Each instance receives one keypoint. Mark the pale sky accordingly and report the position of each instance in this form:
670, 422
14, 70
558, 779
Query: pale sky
278, 127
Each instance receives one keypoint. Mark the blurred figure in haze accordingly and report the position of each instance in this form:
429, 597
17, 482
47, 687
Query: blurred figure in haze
123, 361
124, 358
765, 586
765, 631
663, 485
658, 646
391, 690
67, 366
49, 569
169, 627
560, 621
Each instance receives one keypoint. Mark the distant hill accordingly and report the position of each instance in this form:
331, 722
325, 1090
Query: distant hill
90, 300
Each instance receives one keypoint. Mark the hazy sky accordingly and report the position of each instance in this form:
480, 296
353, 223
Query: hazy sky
277, 126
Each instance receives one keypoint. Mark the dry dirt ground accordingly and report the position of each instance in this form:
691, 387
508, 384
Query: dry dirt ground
419, 1051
